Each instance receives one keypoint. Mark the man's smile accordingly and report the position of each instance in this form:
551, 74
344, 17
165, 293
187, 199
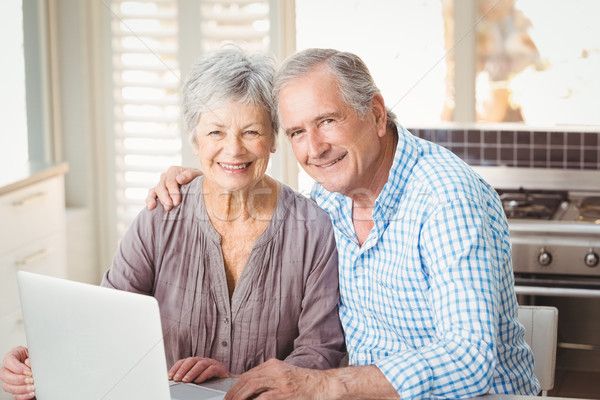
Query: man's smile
331, 163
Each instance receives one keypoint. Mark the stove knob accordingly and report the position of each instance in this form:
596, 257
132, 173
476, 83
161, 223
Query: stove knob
544, 258
591, 259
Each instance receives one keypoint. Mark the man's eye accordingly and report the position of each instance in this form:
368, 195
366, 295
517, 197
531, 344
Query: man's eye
327, 121
294, 133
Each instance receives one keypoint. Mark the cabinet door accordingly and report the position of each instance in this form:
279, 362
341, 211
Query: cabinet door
31, 212
43, 256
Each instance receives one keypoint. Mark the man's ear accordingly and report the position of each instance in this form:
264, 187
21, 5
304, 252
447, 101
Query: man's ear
380, 113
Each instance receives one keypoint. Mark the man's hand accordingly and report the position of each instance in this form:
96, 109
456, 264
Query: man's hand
279, 380
16, 376
167, 190
197, 370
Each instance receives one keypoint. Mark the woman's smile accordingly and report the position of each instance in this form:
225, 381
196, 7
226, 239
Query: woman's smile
234, 167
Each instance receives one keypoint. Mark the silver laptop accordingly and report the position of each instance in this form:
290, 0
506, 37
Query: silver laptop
89, 342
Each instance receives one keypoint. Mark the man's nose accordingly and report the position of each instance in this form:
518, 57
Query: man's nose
316, 144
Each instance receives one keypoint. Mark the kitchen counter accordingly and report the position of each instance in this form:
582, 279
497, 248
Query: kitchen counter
16, 177
227, 383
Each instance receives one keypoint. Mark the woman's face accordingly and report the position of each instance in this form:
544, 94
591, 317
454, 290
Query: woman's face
234, 142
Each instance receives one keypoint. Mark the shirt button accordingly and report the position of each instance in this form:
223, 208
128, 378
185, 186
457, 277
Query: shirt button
224, 343
225, 321
360, 270
362, 358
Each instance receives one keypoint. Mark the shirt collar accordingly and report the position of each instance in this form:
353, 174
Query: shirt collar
405, 158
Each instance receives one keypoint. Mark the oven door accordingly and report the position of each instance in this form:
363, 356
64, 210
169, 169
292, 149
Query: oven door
577, 299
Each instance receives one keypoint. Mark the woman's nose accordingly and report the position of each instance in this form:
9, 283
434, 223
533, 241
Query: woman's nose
234, 145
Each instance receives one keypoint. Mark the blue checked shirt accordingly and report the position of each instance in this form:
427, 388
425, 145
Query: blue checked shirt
429, 298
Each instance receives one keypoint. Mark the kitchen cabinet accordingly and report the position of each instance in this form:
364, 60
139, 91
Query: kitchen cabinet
32, 238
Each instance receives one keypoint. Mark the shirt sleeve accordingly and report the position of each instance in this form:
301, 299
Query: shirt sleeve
320, 342
132, 267
462, 255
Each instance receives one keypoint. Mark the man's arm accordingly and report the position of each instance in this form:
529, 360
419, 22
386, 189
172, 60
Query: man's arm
459, 253
167, 189
277, 379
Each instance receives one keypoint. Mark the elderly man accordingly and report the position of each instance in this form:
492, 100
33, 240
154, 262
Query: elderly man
426, 282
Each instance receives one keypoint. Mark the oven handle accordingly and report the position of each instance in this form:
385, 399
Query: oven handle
557, 291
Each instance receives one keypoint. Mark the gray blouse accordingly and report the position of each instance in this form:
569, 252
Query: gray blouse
284, 305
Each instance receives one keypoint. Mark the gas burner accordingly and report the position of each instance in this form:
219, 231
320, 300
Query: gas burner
512, 201
531, 204
589, 209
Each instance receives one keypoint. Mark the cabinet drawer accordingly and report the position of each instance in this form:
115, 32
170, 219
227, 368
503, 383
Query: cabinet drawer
31, 212
44, 256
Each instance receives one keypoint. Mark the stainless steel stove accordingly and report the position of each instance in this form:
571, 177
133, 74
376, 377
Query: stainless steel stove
554, 222
555, 232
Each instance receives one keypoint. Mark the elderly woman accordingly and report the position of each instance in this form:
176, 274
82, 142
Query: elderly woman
244, 269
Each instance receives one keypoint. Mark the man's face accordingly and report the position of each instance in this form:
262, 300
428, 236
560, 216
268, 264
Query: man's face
333, 145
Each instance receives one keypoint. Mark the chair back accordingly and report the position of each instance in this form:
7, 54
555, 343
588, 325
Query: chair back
541, 324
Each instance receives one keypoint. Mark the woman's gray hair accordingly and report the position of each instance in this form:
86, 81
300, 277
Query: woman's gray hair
224, 75
355, 83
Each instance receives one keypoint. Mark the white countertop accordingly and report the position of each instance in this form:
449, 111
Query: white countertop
226, 384
13, 177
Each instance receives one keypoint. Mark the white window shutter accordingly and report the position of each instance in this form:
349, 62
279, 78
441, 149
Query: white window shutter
146, 100
146, 65
241, 21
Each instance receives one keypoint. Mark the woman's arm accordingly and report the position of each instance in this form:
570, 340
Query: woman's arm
132, 267
320, 343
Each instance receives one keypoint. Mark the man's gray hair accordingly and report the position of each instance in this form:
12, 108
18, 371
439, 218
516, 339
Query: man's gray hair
355, 83
224, 75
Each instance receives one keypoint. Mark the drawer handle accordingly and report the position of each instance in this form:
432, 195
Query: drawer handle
33, 257
30, 199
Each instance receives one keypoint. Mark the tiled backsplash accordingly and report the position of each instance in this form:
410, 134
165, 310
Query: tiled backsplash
519, 148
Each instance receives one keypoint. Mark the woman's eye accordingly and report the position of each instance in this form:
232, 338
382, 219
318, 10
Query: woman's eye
211, 133
252, 132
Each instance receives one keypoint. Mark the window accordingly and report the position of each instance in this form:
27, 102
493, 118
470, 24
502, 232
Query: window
406, 60
539, 64
13, 140
152, 45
